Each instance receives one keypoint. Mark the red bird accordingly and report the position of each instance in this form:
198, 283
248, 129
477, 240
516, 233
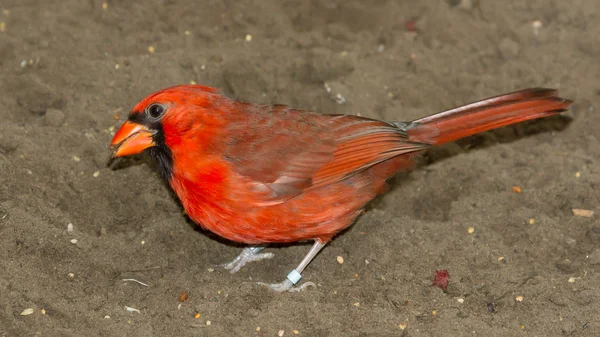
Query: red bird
260, 174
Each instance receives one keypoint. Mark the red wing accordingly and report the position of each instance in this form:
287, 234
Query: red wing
284, 152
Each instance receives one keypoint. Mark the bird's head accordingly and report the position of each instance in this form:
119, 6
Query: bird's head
160, 121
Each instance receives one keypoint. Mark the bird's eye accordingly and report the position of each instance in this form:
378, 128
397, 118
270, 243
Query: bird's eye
155, 110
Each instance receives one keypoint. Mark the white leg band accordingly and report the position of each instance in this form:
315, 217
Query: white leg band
294, 276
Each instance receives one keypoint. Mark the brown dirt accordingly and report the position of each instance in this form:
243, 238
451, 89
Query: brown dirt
60, 90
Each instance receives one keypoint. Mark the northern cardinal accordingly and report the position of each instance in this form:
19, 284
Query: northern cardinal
259, 174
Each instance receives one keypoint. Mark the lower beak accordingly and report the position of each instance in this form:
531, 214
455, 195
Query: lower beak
132, 138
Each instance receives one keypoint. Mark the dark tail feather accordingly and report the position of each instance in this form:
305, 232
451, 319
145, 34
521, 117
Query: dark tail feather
487, 114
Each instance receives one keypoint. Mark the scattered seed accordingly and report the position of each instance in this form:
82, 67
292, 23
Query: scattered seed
27, 312
433, 312
519, 298
280, 333
74, 241
96, 174
71, 275
295, 332
460, 300
356, 304
522, 327
187, 33
106, 317
117, 66
577, 174
340, 259
210, 270
257, 329
403, 326
208, 323
586, 213
531, 221
76, 158
197, 315
355, 275
573, 279
2, 27
142, 242
70, 227
130, 309
248, 37
470, 230
43, 311
193, 82
104, 5
151, 50
500, 258
516, 189
183, 296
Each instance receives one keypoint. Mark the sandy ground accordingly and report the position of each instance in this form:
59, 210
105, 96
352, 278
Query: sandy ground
70, 71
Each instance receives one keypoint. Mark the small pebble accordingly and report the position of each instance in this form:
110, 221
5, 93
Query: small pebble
76, 158
70, 227
208, 323
71, 275
96, 174
183, 296
280, 333
519, 298
142, 242
460, 300
106, 317
470, 230
586, 213
340, 259
117, 66
27, 312
210, 270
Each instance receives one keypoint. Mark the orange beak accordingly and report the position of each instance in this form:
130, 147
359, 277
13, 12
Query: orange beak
132, 138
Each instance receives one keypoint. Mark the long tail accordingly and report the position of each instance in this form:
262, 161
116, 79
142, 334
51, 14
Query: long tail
487, 114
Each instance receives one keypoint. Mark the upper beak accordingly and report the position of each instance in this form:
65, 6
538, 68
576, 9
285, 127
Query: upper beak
132, 138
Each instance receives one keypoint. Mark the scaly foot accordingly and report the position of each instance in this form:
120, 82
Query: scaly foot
249, 254
287, 285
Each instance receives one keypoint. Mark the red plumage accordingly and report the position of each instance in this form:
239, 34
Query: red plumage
262, 174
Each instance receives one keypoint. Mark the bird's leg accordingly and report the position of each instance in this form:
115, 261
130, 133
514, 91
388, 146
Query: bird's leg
249, 254
295, 275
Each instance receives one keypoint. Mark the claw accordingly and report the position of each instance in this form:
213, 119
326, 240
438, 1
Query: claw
287, 285
249, 254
